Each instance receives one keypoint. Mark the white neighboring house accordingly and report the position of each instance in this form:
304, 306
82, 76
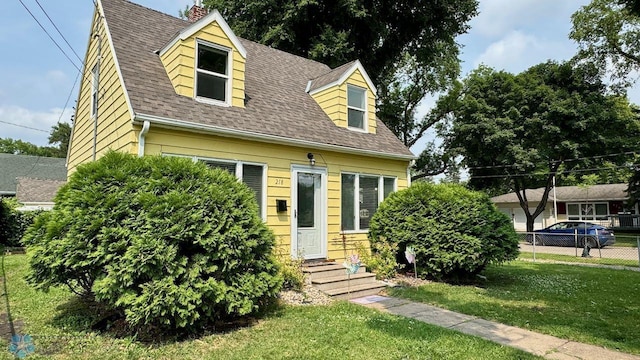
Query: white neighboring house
602, 204
37, 194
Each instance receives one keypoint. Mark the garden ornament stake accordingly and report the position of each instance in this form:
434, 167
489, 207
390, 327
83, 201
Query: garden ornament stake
352, 264
410, 254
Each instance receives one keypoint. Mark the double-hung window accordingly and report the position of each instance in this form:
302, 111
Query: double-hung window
361, 195
212, 73
356, 107
94, 90
253, 175
250, 174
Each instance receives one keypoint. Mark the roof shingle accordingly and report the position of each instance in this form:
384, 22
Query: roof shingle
14, 166
275, 82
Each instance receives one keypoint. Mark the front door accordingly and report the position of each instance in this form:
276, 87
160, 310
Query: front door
309, 214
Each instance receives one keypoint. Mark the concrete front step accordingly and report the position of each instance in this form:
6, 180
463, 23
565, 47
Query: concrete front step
352, 292
326, 270
341, 281
332, 279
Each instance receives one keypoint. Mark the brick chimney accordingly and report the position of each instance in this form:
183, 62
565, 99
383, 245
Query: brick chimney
197, 12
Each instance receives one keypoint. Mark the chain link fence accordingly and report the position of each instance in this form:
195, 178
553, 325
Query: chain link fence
622, 250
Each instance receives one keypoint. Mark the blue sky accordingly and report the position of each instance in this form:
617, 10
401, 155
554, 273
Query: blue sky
36, 78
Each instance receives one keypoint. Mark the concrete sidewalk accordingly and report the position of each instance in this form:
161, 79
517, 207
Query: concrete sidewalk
549, 347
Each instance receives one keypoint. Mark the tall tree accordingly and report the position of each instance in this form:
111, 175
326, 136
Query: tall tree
608, 33
518, 131
59, 137
407, 47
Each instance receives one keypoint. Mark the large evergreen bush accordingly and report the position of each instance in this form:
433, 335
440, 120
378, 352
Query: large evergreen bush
163, 240
454, 231
14, 223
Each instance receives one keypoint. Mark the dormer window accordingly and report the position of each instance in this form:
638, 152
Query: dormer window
356, 105
212, 73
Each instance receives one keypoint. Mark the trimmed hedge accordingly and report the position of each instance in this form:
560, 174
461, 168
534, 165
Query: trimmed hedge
165, 241
14, 223
455, 232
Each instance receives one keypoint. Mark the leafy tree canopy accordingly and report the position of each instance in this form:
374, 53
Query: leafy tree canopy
59, 136
518, 131
608, 33
407, 47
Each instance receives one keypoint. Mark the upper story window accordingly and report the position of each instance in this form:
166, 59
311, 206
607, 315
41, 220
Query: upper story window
356, 105
212, 73
94, 91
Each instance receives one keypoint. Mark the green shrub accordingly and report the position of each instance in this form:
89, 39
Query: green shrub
165, 241
381, 259
291, 270
455, 232
14, 223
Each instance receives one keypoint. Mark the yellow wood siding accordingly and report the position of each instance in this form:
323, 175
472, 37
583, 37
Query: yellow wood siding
279, 159
334, 101
115, 130
179, 62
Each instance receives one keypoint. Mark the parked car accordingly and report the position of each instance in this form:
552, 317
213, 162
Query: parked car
564, 234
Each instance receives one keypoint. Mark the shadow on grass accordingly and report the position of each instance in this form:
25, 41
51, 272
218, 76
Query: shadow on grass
83, 316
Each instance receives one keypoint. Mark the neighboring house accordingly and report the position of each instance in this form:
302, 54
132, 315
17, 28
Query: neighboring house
303, 136
602, 204
16, 167
37, 194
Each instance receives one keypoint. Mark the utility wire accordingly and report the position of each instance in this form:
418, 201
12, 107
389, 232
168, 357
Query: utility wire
50, 37
555, 161
23, 126
550, 173
64, 108
59, 32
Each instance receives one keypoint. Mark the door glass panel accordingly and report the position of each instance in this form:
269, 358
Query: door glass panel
306, 200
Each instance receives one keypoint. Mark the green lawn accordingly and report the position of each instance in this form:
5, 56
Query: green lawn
59, 327
573, 259
626, 239
591, 305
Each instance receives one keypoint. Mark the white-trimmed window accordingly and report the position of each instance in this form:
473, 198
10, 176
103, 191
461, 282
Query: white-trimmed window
588, 211
356, 107
94, 90
213, 69
361, 195
252, 174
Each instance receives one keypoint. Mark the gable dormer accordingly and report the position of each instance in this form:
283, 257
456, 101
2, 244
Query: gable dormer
347, 96
206, 61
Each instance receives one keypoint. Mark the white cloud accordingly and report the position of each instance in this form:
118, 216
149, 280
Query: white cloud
25, 118
498, 16
518, 51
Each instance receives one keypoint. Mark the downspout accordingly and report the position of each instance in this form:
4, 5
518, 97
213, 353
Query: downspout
95, 121
141, 138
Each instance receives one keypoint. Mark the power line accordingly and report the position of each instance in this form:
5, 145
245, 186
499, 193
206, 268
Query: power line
69, 97
498, 176
59, 32
49, 35
555, 161
23, 126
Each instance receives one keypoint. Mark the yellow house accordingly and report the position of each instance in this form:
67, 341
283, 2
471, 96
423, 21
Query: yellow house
303, 136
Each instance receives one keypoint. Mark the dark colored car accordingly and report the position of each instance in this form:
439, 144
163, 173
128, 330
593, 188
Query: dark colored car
574, 233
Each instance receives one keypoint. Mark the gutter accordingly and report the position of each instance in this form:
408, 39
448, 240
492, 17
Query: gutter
141, 138
247, 135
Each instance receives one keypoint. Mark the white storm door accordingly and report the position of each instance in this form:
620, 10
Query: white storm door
309, 214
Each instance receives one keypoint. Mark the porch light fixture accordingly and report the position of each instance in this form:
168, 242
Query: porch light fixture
312, 160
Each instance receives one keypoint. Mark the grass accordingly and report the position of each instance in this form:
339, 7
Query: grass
59, 325
626, 239
590, 305
573, 259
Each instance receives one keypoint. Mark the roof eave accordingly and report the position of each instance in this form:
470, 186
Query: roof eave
357, 65
274, 139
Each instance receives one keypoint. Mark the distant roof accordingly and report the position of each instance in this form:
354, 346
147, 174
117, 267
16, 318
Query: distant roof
31, 190
607, 192
40, 167
277, 105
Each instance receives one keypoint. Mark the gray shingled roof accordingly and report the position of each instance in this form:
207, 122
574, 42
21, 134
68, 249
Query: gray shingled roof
30, 190
275, 82
14, 166
608, 192
332, 76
